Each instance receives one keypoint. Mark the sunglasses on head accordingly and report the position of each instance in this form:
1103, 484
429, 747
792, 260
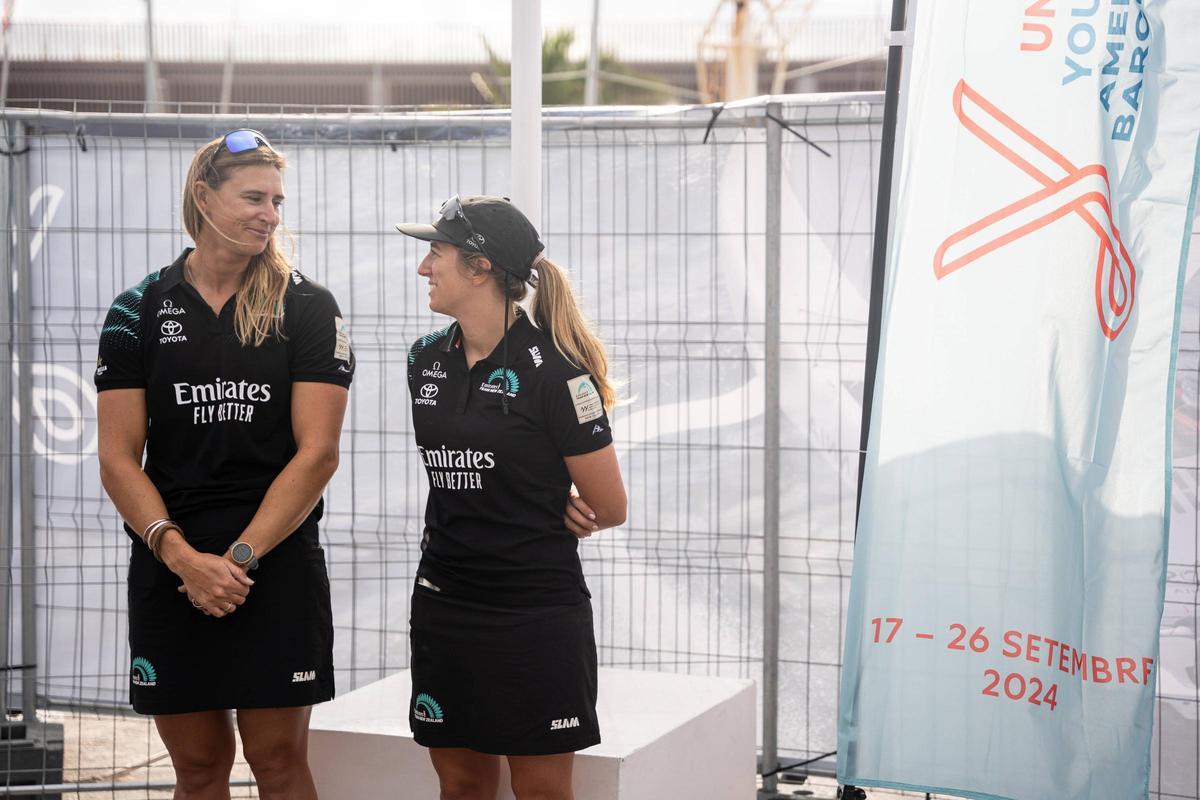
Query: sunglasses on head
241, 141
452, 211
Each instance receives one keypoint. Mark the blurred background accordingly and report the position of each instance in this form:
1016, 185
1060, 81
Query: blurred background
380, 53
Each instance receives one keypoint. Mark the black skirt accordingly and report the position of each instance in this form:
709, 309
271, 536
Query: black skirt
274, 651
502, 680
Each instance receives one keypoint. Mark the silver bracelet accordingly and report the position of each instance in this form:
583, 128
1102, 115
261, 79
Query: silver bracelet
151, 527
157, 540
154, 535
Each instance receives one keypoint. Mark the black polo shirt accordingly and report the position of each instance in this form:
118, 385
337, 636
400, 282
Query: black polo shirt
220, 414
494, 527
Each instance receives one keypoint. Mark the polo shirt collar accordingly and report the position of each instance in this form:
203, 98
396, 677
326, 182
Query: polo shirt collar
518, 338
172, 276
451, 339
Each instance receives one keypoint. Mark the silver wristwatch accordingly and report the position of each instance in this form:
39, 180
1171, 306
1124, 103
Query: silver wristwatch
243, 555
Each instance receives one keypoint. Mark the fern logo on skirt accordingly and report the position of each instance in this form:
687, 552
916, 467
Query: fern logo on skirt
142, 672
426, 709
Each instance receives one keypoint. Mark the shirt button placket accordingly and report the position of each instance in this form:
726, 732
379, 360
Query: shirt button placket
465, 395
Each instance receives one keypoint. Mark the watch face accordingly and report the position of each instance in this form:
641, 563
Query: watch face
242, 552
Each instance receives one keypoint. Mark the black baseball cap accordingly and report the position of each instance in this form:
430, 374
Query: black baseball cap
489, 225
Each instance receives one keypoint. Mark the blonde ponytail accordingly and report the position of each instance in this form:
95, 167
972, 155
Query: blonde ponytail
557, 313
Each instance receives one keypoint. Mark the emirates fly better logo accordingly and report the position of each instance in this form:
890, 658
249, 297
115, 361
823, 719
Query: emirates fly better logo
1062, 193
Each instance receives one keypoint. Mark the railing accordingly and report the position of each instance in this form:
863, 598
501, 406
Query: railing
812, 40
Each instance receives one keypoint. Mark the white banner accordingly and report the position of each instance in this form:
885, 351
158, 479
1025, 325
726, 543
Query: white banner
1003, 628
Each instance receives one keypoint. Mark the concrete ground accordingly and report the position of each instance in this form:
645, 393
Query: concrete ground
102, 749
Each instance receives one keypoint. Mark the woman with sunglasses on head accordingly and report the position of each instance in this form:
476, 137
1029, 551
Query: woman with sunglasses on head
230, 371
507, 416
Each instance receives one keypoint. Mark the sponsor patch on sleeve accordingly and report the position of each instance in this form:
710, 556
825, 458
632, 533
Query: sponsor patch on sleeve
341, 346
586, 399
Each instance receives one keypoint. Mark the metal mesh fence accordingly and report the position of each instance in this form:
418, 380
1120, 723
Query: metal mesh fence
660, 215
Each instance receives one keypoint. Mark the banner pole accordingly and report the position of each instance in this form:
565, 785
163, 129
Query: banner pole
883, 211
880, 256
879, 251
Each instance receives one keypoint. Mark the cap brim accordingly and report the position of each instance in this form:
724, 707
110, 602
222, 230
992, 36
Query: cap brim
420, 230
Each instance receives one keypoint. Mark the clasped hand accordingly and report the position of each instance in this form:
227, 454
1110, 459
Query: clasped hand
214, 584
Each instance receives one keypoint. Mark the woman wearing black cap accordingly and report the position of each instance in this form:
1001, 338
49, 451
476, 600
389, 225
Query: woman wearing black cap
229, 370
507, 417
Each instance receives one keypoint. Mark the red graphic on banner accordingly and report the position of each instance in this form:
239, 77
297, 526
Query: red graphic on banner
1064, 190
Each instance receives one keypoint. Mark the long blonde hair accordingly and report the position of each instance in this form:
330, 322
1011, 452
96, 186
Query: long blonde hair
556, 311
259, 312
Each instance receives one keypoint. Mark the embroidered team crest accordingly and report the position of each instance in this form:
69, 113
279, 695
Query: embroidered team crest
586, 399
499, 380
341, 345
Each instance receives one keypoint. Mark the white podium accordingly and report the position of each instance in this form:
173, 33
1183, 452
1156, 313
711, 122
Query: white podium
664, 735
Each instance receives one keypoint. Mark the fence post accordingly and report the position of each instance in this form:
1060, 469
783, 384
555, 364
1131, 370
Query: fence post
6, 365
24, 351
771, 336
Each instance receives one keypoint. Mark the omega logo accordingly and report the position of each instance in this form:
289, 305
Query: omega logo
168, 308
436, 372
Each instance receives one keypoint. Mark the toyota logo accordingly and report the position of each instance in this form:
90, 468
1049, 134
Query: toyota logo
171, 328
428, 391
